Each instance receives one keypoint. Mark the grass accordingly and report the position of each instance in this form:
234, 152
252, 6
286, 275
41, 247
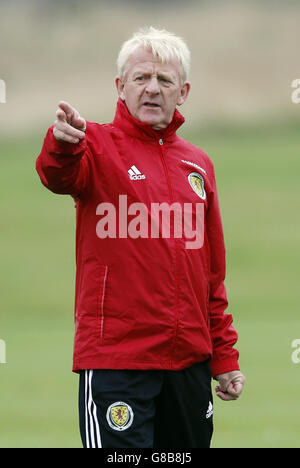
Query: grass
257, 173
258, 177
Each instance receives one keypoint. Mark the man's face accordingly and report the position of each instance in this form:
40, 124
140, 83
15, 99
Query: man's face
152, 89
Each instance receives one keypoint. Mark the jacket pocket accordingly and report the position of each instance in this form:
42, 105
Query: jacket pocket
102, 300
90, 308
208, 306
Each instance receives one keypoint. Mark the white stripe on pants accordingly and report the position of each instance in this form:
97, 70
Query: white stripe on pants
92, 430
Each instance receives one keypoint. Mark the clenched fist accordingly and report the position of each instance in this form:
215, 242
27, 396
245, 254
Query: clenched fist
231, 385
69, 126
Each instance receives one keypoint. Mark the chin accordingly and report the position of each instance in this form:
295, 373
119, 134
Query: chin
156, 124
150, 121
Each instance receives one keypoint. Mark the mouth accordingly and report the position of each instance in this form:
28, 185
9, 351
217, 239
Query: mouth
151, 105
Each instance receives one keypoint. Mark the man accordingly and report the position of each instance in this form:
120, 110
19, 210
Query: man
150, 323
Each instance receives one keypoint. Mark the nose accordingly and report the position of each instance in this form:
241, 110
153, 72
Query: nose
153, 86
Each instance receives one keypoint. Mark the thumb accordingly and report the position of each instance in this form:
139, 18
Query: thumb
78, 122
235, 388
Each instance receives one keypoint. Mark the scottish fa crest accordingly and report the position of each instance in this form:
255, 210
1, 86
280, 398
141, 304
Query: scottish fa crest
197, 183
119, 416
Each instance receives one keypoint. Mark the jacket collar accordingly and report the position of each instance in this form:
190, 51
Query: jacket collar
142, 130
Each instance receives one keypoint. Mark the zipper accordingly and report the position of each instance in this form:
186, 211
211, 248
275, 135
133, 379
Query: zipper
171, 195
102, 302
162, 151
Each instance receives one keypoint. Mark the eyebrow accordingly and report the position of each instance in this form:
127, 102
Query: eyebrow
162, 74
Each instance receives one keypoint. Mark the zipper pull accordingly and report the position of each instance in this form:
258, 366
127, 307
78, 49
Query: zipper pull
161, 142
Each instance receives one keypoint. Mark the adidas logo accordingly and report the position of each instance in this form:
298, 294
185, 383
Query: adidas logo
209, 411
135, 174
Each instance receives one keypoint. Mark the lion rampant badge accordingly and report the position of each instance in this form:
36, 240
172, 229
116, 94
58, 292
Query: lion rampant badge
119, 416
197, 183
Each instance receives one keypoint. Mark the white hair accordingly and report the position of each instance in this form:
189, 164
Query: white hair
163, 44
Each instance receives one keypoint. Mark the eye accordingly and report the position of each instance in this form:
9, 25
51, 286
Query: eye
164, 80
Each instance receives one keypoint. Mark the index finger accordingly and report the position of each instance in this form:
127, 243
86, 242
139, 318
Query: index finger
67, 108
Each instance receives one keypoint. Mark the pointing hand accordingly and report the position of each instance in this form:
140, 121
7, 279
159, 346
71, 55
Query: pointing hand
69, 125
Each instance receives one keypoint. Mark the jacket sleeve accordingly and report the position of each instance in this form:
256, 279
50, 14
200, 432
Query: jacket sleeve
223, 335
63, 167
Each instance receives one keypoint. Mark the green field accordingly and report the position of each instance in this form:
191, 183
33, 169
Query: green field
258, 177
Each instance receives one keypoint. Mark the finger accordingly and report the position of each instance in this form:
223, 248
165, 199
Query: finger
78, 122
225, 396
69, 129
64, 127
72, 115
223, 385
61, 115
81, 124
68, 109
61, 136
235, 389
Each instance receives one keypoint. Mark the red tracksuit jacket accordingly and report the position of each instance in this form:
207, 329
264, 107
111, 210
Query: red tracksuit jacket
144, 302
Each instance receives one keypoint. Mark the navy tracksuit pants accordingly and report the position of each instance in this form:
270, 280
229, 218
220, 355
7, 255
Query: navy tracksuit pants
146, 409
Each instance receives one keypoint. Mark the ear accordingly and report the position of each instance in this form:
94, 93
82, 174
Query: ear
120, 88
184, 93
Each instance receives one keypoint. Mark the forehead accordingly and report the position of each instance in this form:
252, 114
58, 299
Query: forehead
143, 60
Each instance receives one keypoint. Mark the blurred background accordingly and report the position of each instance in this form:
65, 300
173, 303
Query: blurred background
244, 59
